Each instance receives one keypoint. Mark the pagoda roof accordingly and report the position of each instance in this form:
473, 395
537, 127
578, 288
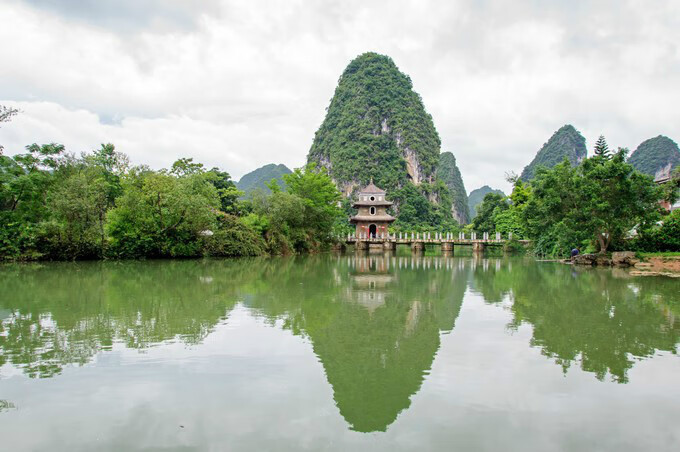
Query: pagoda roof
372, 203
372, 189
372, 218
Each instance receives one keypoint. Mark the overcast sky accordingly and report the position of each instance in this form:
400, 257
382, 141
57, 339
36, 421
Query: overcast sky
239, 84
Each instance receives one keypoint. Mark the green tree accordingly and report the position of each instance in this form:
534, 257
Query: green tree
6, 114
487, 212
615, 198
596, 203
24, 183
162, 214
320, 197
601, 148
227, 191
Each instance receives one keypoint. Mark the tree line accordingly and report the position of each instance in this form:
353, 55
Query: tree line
56, 205
600, 205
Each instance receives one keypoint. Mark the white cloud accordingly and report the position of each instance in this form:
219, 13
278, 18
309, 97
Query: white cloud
241, 84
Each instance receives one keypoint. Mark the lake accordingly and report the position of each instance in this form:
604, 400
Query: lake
347, 352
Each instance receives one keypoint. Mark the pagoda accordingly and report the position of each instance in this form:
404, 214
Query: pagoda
372, 219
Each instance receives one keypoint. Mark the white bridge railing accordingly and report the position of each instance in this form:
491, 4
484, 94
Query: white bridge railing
428, 236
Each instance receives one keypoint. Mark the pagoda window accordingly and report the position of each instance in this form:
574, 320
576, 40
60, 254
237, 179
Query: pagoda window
372, 210
372, 198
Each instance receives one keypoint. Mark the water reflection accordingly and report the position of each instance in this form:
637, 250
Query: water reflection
588, 316
59, 314
374, 321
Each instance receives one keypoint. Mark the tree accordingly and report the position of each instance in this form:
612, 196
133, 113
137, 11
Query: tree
226, 190
161, 214
24, 182
596, 203
601, 148
320, 197
492, 205
615, 198
6, 114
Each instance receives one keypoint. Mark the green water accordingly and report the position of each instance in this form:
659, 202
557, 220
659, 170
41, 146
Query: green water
350, 352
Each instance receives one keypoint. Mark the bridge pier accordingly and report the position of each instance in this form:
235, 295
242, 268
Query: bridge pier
478, 247
339, 246
417, 247
447, 247
390, 245
362, 245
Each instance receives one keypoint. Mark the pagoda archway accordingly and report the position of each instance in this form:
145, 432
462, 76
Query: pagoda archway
372, 231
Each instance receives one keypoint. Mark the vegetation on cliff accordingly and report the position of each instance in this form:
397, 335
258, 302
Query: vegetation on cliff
260, 178
655, 154
449, 174
567, 143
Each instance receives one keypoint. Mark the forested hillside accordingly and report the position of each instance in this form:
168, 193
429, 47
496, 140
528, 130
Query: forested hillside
655, 154
449, 174
477, 196
566, 142
258, 179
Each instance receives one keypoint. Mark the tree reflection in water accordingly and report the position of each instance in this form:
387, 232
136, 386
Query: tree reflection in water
374, 321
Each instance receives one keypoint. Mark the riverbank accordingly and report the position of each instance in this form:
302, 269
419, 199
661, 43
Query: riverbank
643, 264
658, 264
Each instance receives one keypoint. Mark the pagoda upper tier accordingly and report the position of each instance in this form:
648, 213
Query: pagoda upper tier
371, 196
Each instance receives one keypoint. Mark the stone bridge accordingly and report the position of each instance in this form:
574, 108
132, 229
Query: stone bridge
418, 240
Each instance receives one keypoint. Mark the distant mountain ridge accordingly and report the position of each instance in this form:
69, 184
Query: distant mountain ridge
259, 178
477, 196
565, 142
449, 174
655, 154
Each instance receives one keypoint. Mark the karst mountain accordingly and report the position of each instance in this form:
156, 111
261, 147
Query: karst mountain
376, 127
565, 142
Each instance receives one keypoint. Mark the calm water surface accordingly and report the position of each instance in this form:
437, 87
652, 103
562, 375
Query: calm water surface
351, 352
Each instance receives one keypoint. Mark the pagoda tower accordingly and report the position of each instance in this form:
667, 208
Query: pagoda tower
372, 219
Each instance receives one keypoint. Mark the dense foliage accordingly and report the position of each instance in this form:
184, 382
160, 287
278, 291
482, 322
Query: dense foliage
566, 142
594, 205
449, 174
660, 237
260, 178
55, 205
655, 154
376, 127
477, 196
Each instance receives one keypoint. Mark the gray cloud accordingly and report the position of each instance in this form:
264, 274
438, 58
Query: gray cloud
130, 15
242, 84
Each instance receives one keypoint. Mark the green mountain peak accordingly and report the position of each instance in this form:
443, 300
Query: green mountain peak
655, 154
376, 127
259, 178
565, 142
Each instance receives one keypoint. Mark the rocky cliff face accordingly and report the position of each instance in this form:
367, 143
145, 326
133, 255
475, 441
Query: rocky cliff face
449, 174
567, 142
376, 127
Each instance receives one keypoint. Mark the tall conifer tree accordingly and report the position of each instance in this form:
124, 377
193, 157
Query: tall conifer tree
601, 148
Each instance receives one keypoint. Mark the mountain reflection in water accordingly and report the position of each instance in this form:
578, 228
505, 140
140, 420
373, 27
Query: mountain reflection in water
374, 321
